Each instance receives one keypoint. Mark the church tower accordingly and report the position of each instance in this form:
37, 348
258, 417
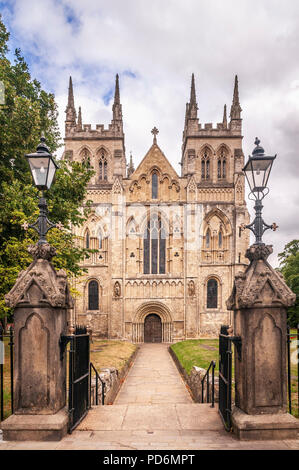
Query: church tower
105, 148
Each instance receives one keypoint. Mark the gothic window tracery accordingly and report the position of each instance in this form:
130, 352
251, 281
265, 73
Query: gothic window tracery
222, 164
205, 165
93, 295
212, 293
103, 167
154, 246
85, 157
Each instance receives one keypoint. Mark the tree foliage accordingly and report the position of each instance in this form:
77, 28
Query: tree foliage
289, 267
27, 111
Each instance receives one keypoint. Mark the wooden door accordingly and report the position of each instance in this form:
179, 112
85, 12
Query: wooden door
153, 329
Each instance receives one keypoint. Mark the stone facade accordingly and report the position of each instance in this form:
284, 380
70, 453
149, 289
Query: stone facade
164, 241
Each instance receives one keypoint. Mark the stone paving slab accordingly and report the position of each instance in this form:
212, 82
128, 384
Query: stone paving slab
153, 411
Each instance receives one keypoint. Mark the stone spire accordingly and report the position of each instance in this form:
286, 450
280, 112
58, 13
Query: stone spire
192, 109
79, 123
224, 121
235, 111
70, 120
116, 108
131, 168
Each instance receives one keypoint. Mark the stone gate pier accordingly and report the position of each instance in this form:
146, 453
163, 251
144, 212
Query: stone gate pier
259, 300
40, 299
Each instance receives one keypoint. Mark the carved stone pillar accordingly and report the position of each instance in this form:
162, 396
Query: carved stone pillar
40, 299
259, 300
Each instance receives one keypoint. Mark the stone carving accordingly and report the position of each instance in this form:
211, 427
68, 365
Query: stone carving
260, 285
117, 289
43, 251
191, 288
53, 285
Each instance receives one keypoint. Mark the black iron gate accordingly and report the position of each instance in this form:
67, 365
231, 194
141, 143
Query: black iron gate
225, 376
78, 377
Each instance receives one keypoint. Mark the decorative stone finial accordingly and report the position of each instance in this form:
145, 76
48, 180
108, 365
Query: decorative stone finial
42, 251
255, 252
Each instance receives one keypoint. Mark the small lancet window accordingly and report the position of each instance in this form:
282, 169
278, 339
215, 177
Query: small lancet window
154, 186
93, 295
87, 240
220, 239
100, 240
212, 293
208, 238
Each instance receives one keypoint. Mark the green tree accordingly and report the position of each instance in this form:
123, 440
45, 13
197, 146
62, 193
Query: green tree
27, 111
289, 267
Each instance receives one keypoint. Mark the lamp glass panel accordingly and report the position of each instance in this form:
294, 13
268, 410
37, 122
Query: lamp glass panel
39, 170
249, 174
51, 174
259, 169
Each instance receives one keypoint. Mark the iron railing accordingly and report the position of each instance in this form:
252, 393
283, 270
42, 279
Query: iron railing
225, 376
209, 398
3, 335
94, 391
291, 336
78, 402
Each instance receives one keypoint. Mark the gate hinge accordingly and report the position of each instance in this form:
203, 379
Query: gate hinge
63, 341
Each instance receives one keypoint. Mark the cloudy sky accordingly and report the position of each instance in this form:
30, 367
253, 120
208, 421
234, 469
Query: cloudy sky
155, 46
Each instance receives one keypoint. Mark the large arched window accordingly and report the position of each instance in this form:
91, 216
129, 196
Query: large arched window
205, 165
103, 167
93, 295
212, 293
154, 185
154, 246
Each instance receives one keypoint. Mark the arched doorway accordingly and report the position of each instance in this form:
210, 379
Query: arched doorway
152, 329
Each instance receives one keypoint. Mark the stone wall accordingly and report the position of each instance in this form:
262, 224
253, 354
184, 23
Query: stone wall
193, 381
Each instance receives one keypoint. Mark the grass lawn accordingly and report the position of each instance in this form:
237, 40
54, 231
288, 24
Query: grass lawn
196, 352
103, 353
110, 353
200, 352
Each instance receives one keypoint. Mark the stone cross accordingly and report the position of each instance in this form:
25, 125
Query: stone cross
155, 131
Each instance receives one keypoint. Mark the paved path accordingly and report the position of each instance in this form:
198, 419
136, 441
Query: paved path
153, 410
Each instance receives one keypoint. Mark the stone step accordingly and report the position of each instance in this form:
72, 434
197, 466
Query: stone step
193, 416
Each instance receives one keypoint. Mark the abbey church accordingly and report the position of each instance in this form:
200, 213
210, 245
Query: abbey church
167, 247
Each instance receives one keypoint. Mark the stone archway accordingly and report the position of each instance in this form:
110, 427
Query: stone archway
163, 323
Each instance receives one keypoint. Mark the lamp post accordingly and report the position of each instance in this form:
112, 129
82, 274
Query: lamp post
43, 168
257, 171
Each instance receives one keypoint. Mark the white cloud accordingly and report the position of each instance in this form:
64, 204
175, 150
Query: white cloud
163, 42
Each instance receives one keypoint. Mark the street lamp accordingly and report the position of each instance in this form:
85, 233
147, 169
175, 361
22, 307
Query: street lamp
43, 168
257, 171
